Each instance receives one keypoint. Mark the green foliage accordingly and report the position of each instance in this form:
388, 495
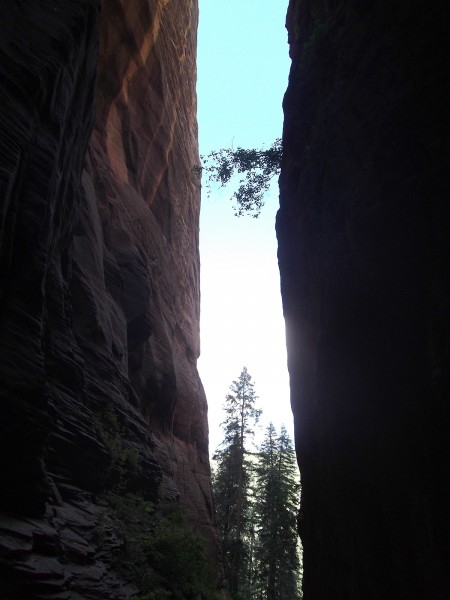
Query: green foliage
257, 167
131, 519
231, 486
178, 557
277, 564
153, 545
232, 481
240, 411
124, 458
158, 551
257, 501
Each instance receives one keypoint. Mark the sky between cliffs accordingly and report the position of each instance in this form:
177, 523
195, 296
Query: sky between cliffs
243, 66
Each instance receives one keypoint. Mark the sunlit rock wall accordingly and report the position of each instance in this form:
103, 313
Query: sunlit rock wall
99, 275
364, 254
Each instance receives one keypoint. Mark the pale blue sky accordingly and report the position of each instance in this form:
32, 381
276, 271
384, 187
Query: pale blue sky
243, 65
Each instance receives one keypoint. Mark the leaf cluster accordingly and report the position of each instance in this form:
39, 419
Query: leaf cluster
257, 167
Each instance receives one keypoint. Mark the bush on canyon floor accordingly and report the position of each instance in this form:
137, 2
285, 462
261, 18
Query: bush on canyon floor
181, 567
156, 548
152, 543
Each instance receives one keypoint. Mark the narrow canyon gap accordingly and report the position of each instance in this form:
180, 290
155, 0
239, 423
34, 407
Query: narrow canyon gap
363, 232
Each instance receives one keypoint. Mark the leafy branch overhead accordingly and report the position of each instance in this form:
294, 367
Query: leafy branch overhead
257, 167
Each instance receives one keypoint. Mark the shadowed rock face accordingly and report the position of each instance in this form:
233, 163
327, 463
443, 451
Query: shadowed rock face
99, 274
364, 252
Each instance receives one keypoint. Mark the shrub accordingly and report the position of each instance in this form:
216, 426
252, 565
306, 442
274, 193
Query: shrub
159, 551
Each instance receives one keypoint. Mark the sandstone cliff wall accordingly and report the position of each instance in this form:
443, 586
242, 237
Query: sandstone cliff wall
364, 258
99, 329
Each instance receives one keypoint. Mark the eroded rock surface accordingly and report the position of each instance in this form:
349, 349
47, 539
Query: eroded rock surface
99, 329
364, 251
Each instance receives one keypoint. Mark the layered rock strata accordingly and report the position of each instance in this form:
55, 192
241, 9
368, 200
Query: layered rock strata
99, 322
364, 254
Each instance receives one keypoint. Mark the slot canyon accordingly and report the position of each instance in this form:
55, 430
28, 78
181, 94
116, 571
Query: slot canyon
103, 411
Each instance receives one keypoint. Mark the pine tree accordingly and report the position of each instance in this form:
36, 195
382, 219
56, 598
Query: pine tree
232, 481
276, 498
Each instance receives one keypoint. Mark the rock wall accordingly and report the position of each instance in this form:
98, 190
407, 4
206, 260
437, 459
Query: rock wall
99, 276
363, 232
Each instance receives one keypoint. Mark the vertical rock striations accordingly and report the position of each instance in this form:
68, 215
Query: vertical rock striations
364, 252
99, 285
140, 217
